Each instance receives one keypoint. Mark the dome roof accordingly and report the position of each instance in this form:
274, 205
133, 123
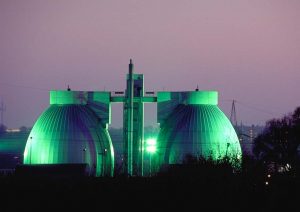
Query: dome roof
70, 134
199, 130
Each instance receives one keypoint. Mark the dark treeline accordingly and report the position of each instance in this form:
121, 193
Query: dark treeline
279, 143
196, 184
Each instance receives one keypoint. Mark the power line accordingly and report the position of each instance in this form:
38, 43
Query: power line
22, 86
257, 109
249, 106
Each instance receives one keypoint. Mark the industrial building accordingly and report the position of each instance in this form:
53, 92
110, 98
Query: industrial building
73, 130
191, 123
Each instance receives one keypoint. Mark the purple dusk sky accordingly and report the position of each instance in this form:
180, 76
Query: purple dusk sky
246, 50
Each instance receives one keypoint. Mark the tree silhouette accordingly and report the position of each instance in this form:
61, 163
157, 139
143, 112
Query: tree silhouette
280, 140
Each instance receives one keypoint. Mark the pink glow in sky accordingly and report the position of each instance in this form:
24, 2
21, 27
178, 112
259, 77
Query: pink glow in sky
246, 50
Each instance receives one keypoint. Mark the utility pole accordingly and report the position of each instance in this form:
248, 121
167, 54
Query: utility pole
2, 109
233, 119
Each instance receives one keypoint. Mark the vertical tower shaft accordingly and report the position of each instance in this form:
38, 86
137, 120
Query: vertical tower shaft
129, 121
133, 128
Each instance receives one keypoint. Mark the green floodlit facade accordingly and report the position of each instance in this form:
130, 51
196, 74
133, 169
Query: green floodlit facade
191, 123
71, 132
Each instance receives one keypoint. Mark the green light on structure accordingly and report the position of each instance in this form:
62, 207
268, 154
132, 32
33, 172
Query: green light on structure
74, 129
151, 142
151, 149
191, 123
151, 145
71, 134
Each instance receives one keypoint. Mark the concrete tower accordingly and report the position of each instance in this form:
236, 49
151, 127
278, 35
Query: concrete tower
133, 127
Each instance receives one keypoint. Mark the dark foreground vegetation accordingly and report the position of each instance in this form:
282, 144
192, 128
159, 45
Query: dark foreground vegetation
196, 185
280, 140
268, 182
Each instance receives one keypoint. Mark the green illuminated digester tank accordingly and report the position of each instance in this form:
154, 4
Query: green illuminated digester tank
71, 132
191, 123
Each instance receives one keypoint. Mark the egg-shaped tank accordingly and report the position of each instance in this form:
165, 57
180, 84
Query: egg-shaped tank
193, 124
71, 134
